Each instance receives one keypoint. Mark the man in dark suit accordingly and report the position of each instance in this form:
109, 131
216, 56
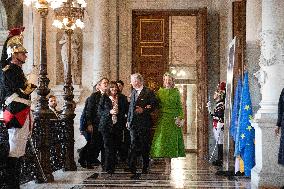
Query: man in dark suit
93, 120
139, 122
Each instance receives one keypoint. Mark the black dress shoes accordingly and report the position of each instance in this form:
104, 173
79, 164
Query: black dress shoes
239, 174
217, 163
145, 171
96, 162
82, 163
85, 164
127, 169
135, 176
89, 166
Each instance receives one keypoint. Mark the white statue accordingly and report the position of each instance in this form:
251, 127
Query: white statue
75, 54
64, 52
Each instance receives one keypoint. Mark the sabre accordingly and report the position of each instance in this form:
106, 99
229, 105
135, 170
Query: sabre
215, 147
37, 159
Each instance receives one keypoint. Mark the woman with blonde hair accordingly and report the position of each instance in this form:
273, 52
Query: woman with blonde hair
168, 140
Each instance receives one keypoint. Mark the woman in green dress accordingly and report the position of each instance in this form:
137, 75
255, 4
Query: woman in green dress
168, 140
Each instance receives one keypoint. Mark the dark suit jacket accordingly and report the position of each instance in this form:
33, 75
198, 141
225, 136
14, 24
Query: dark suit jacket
92, 117
123, 105
105, 105
280, 123
83, 122
145, 98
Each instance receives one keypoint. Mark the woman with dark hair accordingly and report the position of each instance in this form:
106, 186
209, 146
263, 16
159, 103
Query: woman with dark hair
119, 102
112, 110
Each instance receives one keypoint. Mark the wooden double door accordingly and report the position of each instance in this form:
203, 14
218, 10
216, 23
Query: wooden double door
152, 57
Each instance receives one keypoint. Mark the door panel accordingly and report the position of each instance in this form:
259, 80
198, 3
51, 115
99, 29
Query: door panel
150, 48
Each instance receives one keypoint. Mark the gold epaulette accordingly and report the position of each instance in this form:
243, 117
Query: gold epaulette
6, 68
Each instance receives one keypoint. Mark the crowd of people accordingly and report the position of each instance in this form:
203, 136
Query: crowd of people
119, 129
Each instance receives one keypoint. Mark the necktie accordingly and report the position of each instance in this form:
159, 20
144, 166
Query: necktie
135, 95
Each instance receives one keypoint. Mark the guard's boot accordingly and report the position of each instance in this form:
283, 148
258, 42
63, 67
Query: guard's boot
13, 173
219, 161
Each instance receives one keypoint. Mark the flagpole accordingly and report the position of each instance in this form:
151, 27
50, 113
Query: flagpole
228, 107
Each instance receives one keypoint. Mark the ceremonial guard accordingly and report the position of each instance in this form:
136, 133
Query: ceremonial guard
15, 98
218, 120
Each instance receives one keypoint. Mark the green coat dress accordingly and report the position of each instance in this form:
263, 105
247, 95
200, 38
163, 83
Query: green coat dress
168, 140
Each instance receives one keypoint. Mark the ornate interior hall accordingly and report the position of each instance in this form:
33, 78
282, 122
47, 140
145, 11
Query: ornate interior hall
72, 44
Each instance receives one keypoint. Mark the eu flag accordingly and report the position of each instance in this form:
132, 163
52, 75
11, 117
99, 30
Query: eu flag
246, 131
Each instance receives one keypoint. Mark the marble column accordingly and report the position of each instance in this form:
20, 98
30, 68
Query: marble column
101, 60
3, 25
271, 78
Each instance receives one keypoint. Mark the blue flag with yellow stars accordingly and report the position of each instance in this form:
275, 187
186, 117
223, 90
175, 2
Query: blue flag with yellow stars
246, 131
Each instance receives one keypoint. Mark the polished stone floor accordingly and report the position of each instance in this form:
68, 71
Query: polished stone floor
188, 172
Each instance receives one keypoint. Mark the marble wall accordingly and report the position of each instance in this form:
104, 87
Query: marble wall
253, 29
14, 13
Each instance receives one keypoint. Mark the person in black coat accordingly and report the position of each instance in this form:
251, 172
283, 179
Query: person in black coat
142, 102
93, 120
87, 153
119, 120
105, 111
280, 125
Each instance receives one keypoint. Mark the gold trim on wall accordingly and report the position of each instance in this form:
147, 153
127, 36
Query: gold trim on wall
143, 47
162, 21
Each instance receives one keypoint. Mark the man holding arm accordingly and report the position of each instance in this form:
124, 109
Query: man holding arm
139, 122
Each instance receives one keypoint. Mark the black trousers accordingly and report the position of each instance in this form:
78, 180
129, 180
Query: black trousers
140, 146
125, 145
91, 151
108, 139
12, 177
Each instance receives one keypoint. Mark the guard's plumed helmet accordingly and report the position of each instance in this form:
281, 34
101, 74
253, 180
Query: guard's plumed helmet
221, 90
222, 86
15, 42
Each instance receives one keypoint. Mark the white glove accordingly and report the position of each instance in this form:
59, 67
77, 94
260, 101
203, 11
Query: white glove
209, 107
128, 125
113, 111
114, 119
220, 125
179, 122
